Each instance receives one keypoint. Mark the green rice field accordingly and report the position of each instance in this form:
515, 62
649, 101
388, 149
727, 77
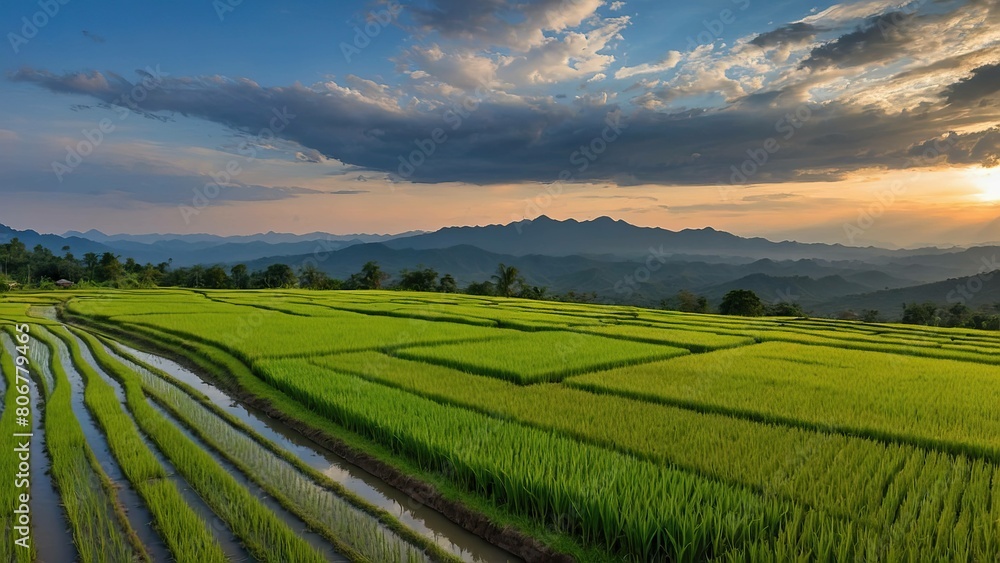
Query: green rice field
383, 426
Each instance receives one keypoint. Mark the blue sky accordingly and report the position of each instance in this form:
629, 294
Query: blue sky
782, 119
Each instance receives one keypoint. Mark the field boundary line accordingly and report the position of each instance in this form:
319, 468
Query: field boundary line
498, 527
354, 500
889, 438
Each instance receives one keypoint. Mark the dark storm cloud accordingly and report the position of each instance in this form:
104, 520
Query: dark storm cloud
981, 148
793, 33
460, 18
984, 82
538, 139
508, 23
880, 39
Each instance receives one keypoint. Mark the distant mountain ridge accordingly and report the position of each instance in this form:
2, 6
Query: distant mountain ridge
55, 243
605, 235
974, 291
604, 256
608, 276
270, 237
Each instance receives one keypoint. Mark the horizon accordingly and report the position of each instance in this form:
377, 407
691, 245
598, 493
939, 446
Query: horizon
402, 234
500, 280
871, 123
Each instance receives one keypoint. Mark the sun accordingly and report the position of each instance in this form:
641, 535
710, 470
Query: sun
987, 180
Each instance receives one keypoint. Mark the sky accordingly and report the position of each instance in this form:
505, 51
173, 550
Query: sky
863, 123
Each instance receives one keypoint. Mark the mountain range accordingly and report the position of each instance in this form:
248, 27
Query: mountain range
620, 262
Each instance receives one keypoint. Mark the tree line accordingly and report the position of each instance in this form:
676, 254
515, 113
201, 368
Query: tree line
506, 282
738, 302
746, 303
39, 268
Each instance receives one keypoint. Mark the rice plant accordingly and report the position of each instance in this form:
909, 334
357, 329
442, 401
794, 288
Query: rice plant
306, 495
795, 439
264, 535
539, 357
12, 526
922, 401
183, 531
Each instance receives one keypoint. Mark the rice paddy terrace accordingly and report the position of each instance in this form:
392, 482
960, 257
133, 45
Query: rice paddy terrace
296, 426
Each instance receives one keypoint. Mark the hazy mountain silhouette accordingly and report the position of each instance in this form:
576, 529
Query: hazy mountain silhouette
607, 236
603, 256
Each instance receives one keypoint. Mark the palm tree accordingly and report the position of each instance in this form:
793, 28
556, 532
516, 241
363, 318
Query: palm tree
507, 279
90, 261
534, 292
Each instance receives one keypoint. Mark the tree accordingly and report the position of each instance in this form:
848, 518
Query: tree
195, 276
110, 269
448, 284
371, 276
534, 292
958, 315
743, 303
150, 276
920, 314
983, 320
507, 280
216, 278
421, 279
785, 309
239, 277
280, 276
686, 302
311, 277
15, 259
871, 316
481, 288
574, 297
90, 261
131, 266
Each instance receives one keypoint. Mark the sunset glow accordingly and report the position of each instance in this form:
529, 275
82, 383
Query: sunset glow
781, 120
988, 182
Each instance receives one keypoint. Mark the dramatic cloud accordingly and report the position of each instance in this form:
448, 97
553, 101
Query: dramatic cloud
853, 11
505, 44
880, 39
862, 86
536, 139
984, 82
668, 62
504, 23
793, 33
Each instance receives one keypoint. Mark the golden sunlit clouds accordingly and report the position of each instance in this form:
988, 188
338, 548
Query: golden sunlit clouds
987, 181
